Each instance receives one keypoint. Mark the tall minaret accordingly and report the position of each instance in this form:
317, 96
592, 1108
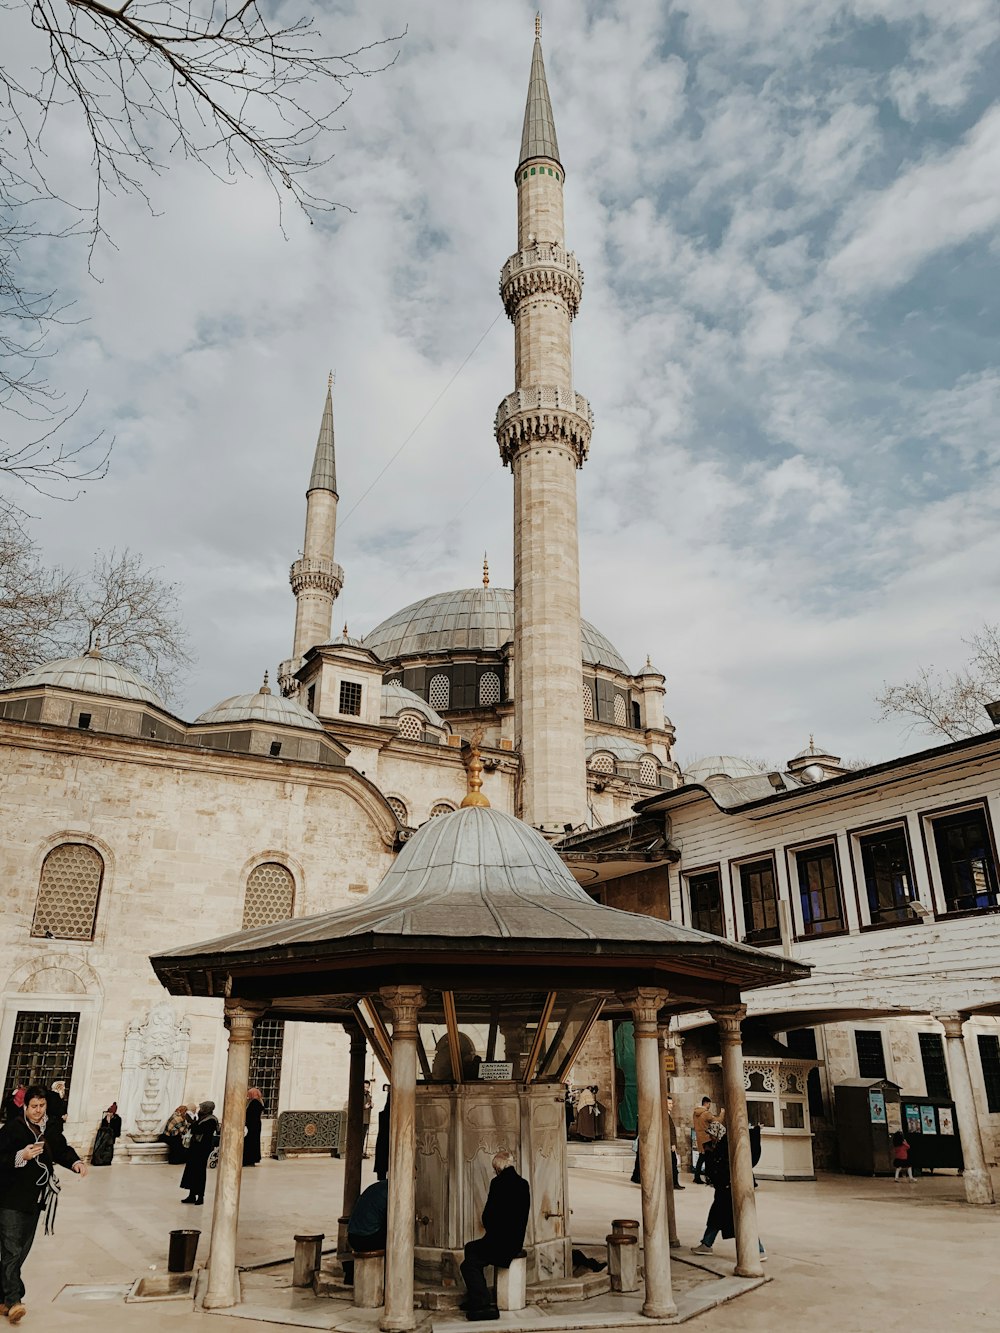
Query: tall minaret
543, 430
316, 578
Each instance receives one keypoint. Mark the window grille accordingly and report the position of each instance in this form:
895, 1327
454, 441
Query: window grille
588, 702
648, 773
706, 903
411, 726
989, 1058
441, 808
871, 1053
439, 693
42, 1050
69, 889
266, 1050
621, 712
270, 895
760, 902
489, 688
398, 809
602, 763
819, 891
350, 698
935, 1066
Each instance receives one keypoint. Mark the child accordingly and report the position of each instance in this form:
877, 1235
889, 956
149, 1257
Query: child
901, 1154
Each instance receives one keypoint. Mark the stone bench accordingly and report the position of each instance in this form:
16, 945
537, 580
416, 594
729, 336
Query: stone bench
308, 1257
369, 1279
510, 1284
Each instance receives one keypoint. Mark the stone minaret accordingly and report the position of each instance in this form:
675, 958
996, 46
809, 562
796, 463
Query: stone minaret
543, 430
316, 578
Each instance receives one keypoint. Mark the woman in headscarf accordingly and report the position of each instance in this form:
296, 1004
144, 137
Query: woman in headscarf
173, 1136
203, 1134
104, 1142
720, 1215
254, 1115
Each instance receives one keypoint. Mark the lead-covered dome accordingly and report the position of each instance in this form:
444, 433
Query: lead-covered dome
92, 674
396, 700
470, 618
719, 766
261, 707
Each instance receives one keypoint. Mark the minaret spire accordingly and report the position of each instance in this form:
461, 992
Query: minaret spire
315, 577
543, 430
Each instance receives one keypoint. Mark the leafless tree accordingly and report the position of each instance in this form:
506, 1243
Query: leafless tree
950, 703
119, 605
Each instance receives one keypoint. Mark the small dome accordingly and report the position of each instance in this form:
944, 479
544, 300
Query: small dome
345, 640
93, 674
616, 745
397, 699
471, 618
261, 707
650, 670
814, 751
719, 766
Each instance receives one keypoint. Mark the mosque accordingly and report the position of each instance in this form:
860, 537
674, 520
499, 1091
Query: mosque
129, 830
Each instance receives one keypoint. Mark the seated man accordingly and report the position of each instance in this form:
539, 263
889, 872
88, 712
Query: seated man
366, 1227
505, 1220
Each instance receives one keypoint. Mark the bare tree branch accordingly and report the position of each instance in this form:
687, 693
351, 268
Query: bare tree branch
950, 704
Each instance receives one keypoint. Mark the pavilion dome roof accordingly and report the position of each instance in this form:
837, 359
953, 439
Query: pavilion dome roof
619, 746
261, 707
719, 766
397, 699
471, 618
93, 674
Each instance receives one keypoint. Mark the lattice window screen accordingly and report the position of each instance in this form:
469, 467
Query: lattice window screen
398, 809
588, 702
647, 773
621, 712
442, 808
489, 688
68, 892
411, 727
439, 694
270, 895
602, 763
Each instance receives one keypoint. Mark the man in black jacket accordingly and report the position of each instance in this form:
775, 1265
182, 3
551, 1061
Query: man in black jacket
31, 1145
505, 1220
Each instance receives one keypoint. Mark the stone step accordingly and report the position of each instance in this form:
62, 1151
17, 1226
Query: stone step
604, 1155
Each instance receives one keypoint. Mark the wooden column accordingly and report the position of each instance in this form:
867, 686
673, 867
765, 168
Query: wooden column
729, 1020
977, 1179
645, 1003
355, 1118
223, 1285
668, 1157
404, 1002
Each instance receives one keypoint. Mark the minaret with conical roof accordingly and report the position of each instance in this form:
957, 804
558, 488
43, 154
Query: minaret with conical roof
543, 430
316, 578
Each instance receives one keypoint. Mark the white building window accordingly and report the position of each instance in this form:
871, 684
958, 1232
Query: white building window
270, 895
489, 688
69, 889
648, 772
441, 808
588, 702
411, 726
621, 712
439, 694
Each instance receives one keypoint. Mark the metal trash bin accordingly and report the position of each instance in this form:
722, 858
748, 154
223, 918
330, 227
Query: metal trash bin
183, 1248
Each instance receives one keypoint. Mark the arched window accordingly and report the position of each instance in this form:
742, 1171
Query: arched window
69, 889
489, 688
439, 693
270, 895
588, 702
411, 726
648, 772
441, 808
621, 712
398, 808
602, 763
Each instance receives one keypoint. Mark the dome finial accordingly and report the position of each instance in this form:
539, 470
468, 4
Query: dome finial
474, 767
538, 23
346, 635
265, 688
95, 649
486, 571
331, 379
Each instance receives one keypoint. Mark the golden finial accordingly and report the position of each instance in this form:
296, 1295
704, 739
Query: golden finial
538, 24
475, 770
265, 688
486, 571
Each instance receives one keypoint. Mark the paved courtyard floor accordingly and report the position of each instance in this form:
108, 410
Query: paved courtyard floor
846, 1254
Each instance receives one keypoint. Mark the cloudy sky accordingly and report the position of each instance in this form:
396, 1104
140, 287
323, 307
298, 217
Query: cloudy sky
787, 212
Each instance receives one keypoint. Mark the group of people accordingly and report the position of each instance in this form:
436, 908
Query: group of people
192, 1138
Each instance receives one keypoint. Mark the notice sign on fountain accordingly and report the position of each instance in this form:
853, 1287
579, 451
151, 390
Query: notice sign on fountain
496, 1070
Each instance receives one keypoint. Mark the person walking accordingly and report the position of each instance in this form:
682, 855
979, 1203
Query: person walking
31, 1145
674, 1162
505, 1220
108, 1131
701, 1119
174, 1133
55, 1101
720, 1215
203, 1136
254, 1115
901, 1154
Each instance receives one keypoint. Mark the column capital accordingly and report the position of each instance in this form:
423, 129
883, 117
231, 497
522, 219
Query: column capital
405, 1003
952, 1024
729, 1020
645, 1003
240, 1016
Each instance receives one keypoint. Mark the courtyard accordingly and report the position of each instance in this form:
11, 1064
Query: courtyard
845, 1253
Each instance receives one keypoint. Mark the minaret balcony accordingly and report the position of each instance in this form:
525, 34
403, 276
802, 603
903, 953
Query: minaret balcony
316, 574
544, 413
544, 267
287, 682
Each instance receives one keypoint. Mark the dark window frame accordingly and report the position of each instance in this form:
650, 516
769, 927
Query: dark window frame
896, 909
955, 904
802, 855
762, 933
267, 1049
45, 1055
698, 882
351, 693
989, 1062
934, 1063
871, 1062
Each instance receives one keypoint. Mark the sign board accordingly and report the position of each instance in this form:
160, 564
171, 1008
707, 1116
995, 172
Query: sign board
669, 1062
496, 1070
876, 1107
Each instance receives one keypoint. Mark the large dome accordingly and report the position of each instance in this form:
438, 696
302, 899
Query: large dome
93, 674
476, 618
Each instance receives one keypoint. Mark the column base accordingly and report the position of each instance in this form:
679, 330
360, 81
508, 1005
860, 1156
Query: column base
400, 1325
738, 1271
223, 1300
978, 1187
659, 1311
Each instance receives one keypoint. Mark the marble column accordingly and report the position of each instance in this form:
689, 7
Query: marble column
223, 1284
355, 1121
645, 1003
668, 1153
729, 1020
404, 1002
977, 1179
